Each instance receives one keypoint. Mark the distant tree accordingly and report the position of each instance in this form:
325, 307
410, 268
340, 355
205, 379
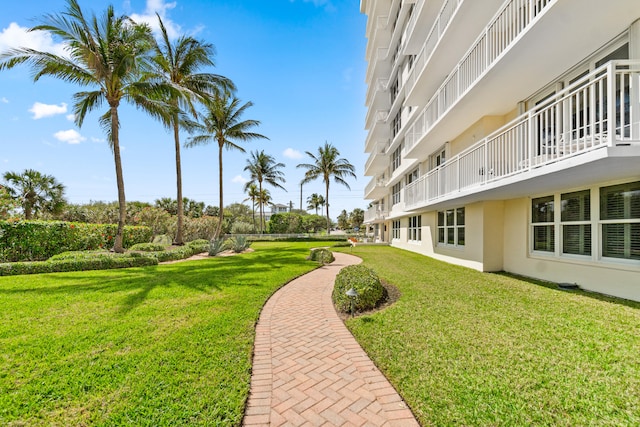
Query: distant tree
8, 205
212, 211
252, 192
264, 168
313, 223
343, 220
327, 164
222, 125
176, 65
315, 201
264, 197
356, 218
35, 192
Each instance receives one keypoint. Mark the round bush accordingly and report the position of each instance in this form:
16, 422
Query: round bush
321, 255
365, 281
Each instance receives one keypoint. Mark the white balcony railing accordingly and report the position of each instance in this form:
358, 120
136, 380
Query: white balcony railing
375, 213
378, 182
446, 14
576, 120
512, 20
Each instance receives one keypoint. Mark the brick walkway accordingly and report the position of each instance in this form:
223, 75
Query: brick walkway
309, 370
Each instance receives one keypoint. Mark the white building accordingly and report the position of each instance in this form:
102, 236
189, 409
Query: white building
275, 209
505, 135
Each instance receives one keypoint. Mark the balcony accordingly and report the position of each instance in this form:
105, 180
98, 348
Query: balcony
594, 121
378, 95
514, 18
379, 65
378, 160
379, 131
376, 188
375, 214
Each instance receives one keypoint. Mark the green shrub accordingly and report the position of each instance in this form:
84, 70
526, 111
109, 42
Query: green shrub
239, 244
39, 240
216, 246
321, 255
199, 243
148, 247
75, 264
366, 283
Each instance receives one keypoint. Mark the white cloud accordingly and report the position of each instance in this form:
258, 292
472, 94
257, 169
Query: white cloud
292, 154
239, 179
149, 17
71, 117
15, 36
70, 136
4, 100
41, 110
97, 140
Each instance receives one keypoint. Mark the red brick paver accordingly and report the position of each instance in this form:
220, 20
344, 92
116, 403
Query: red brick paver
309, 370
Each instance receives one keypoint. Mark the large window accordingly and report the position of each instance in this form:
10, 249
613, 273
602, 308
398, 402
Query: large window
610, 229
542, 222
451, 227
415, 228
620, 220
396, 158
395, 193
396, 123
575, 218
395, 229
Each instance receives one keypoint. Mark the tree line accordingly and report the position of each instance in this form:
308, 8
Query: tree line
119, 60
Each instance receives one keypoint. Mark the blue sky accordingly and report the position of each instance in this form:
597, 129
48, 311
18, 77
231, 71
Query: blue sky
301, 62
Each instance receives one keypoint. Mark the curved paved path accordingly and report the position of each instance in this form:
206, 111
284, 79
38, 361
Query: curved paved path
309, 370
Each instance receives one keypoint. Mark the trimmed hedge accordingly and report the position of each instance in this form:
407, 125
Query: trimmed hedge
75, 264
365, 281
148, 247
321, 255
39, 240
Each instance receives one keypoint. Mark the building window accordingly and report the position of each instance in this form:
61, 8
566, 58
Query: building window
395, 193
396, 123
542, 222
395, 229
451, 227
620, 221
396, 158
415, 228
438, 158
394, 89
412, 176
575, 216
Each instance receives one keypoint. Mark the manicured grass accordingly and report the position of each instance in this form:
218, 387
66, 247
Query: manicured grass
467, 348
159, 346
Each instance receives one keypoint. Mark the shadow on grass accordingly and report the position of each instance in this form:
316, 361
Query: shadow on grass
208, 275
581, 292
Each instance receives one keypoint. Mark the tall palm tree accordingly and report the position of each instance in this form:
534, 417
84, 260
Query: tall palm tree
263, 168
35, 192
176, 64
326, 164
263, 199
252, 192
222, 124
108, 53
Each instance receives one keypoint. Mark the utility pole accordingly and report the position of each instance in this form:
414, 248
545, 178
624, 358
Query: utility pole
290, 206
300, 195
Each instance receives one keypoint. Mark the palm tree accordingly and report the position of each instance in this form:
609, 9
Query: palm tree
109, 54
222, 124
177, 64
263, 199
263, 168
327, 164
315, 201
35, 192
252, 192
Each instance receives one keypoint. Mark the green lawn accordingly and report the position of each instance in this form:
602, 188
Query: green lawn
166, 345
467, 348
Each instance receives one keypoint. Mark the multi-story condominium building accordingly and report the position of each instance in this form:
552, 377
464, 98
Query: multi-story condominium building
504, 135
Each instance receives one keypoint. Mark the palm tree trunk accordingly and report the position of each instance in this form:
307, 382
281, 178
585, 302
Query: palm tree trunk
253, 212
122, 203
219, 227
261, 208
176, 136
327, 200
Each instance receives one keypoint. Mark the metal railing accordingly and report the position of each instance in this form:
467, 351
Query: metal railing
576, 120
512, 20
